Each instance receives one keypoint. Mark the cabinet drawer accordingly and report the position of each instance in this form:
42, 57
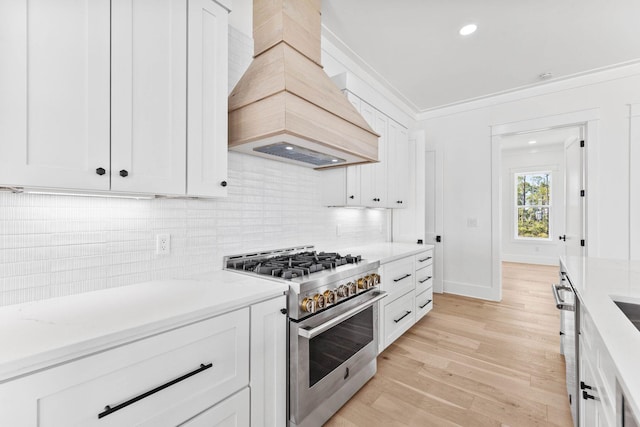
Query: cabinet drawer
399, 315
424, 259
398, 278
424, 303
154, 381
424, 279
233, 412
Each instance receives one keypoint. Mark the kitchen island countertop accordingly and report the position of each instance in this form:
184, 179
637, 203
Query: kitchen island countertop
43, 333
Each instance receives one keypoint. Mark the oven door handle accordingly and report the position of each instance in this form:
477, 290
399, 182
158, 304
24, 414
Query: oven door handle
560, 303
309, 333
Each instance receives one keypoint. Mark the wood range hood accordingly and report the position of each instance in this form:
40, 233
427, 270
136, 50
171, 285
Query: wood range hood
285, 107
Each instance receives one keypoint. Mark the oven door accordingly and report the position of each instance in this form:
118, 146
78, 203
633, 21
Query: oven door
329, 354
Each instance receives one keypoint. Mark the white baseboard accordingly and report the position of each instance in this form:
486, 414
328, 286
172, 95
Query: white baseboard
530, 259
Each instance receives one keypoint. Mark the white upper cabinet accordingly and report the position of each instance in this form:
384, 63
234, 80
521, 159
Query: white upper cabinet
207, 121
149, 96
380, 185
54, 93
127, 96
397, 166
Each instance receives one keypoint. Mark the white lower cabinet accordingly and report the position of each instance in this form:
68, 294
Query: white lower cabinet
597, 377
196, 374
269, 363
408, 283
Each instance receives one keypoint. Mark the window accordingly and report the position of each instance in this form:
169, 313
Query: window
533, 205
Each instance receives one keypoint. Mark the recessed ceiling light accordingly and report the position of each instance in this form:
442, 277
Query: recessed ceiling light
334, 160
532, 141
288, 147
468, 29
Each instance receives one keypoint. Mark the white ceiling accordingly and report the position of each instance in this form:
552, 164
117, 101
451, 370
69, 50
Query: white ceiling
414, 44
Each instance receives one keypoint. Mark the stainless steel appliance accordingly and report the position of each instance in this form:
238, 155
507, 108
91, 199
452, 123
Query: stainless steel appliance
333, 325
569, 304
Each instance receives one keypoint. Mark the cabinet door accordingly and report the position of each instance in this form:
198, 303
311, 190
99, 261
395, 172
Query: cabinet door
54, 93
380, 168
397, 165
207, 121
149, 96
269, 363
367, 172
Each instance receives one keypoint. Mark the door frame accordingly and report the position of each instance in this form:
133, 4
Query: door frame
589, 119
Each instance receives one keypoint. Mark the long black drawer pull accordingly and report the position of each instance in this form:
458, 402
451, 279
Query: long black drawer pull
425, 259
402, 317
425, 279
402, 278
425, 304
110, 410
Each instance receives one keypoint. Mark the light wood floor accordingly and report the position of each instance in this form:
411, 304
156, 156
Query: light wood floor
471, 362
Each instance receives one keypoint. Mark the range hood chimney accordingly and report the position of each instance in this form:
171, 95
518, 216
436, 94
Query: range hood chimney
285, 107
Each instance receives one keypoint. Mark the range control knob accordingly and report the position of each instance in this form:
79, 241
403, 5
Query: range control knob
329, 297
376, 279
319, 300
343, 291
307, 305
353, 288
361, 283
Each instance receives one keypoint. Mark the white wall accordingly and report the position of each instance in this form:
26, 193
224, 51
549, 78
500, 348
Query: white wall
59, 245
548, 158
463, 134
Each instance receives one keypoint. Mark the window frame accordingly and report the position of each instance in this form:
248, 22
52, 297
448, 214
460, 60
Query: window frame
515, 205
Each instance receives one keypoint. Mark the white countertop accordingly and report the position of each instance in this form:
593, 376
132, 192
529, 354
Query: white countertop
42, 333
386, 252
598, 282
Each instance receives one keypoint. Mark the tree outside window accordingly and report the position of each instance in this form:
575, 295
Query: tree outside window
533, 205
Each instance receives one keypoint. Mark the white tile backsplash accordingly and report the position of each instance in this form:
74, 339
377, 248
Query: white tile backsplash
60, 245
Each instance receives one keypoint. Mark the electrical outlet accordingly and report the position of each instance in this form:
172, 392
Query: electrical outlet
163, 244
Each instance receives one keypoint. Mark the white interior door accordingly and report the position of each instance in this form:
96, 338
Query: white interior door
574, 199
433, 213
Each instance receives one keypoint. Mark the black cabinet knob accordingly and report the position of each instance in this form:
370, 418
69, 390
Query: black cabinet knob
101, 171
352, 197
399, 202
124, 173
283, 310
223, 183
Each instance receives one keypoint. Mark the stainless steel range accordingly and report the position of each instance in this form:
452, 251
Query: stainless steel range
333, 324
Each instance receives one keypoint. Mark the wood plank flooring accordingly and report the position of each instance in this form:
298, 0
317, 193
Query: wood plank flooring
474, 363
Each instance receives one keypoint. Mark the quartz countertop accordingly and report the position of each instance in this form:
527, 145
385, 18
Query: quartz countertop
386, 252
43, 333
598, 282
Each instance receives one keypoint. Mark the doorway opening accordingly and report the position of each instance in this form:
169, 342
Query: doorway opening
533, 194
580, 130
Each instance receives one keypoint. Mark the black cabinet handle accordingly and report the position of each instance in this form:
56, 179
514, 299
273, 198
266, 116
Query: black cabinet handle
101, 171
352, 197
425, 304
402, 278
283, 310
425, 279
402, 317
124, 173
563, 237
438, 239
223, 183
111, 409
583, 386
425, 259
587, 396
376, 200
